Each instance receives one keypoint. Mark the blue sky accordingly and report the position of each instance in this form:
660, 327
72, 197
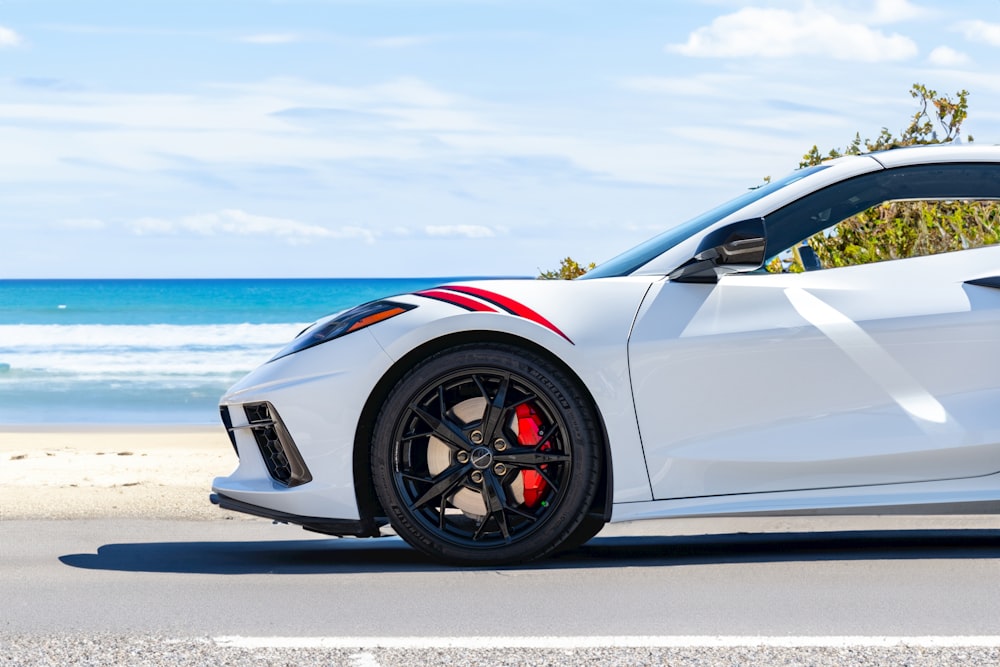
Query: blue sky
288, 138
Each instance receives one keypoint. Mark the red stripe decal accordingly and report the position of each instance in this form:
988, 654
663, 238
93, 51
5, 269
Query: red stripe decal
507, 304
457, 300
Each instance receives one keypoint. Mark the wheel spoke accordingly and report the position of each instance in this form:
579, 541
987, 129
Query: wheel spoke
527, 399
548, 480
442, 516
481, 528
496, 507
529, 457
495, 408
547, 440
442, 404
444, 484
443, 428
534, 455
416, 436
524, 515
416, 478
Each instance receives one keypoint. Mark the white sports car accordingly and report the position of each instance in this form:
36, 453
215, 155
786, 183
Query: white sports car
494, 422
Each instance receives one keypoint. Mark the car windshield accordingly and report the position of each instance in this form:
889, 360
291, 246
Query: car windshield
631, 260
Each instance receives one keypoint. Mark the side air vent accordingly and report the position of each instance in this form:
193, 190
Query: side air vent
991, 281
281, 456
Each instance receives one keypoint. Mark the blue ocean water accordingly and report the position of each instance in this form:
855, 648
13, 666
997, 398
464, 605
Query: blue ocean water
152, 351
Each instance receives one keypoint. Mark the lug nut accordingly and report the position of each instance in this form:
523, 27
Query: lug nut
499, 444
500, 469
463, 457
477, 476
476, 437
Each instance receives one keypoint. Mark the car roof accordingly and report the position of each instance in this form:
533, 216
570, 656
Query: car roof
924, 154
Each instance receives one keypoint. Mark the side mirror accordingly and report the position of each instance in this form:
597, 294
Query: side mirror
735, 248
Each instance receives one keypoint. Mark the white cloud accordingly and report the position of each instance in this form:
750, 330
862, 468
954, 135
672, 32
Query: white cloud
8, 37
461, 231
403, 103
980, 31
152, 226
235, 221
227, 124
893, 11
945, 56
413, 91
271, 38
780, 33
240, 223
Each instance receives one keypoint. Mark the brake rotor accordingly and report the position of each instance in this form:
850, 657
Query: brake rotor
440, 457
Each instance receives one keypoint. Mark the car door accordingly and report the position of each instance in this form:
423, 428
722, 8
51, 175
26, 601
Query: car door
880, 373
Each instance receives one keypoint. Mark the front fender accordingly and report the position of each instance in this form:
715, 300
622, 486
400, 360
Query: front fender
590, 325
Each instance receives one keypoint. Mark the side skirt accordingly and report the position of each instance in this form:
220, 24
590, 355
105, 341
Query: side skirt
975, 495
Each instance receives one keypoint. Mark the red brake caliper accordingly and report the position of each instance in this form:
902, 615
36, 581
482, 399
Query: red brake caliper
528, 426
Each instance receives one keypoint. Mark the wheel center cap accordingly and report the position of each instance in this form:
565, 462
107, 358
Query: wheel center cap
481, 458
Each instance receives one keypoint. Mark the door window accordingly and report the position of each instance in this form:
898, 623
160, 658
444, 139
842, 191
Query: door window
892, 214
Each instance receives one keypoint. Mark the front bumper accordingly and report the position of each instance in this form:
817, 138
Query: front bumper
354, 527
293, 423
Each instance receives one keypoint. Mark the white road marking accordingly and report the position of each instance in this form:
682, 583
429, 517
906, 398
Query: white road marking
568, 643
364, 660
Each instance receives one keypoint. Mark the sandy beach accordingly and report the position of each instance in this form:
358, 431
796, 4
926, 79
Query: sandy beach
69, 472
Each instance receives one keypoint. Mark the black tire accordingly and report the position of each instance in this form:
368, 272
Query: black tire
486, 455
588, 528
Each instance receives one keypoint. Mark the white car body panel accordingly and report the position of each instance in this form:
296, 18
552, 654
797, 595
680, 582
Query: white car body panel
935, 154
871, 386
899, 405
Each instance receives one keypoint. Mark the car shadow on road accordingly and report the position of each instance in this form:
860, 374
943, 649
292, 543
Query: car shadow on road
345, 556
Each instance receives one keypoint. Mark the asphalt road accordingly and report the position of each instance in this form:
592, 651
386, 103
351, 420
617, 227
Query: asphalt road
64, 583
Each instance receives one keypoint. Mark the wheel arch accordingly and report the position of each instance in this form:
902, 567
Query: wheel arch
364, 489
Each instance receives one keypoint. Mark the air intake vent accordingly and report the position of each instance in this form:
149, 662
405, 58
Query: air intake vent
258, 413
282, 458
227, 421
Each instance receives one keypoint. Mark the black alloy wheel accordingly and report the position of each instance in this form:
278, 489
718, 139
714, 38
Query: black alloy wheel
487, 455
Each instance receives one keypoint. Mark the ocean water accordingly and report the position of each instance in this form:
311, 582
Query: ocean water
152, 351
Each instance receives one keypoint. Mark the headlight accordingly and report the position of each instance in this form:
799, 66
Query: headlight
340, 325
